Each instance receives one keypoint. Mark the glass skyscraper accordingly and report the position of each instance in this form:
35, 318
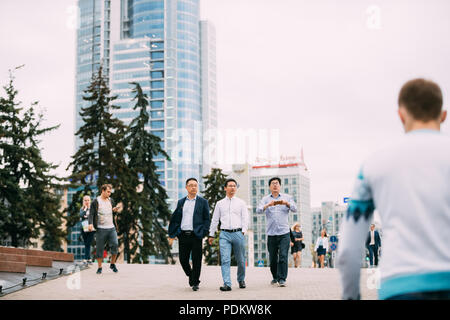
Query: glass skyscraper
163, 45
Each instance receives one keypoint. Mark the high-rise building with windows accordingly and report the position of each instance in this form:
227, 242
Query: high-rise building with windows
162, 45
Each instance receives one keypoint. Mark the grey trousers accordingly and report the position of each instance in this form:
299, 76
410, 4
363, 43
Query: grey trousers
106, 236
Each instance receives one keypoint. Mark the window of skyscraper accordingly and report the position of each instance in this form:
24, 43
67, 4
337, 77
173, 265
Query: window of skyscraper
156, 104
156, 94
157, 74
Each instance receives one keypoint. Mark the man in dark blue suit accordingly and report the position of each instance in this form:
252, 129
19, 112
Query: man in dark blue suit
190, 224
373, 243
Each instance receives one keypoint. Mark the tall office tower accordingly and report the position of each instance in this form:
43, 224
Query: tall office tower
162, 45
295, 181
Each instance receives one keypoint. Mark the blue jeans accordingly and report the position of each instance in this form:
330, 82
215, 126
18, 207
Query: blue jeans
235, 240
278, 247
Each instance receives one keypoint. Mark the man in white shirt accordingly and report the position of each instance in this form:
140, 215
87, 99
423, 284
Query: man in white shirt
233, 216
409, 182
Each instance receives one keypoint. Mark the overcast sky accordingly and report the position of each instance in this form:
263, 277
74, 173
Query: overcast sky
325, 73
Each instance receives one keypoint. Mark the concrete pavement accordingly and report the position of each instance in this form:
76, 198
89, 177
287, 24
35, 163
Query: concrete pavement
168, 282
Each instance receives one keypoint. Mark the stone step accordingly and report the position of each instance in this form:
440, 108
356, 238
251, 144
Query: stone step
34, 261
55, 256
9, 266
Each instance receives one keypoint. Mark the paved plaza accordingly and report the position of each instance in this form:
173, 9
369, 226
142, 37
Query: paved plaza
168, 282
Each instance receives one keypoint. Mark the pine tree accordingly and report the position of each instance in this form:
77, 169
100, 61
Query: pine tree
101, 157
150, 213
29, 204
214, 191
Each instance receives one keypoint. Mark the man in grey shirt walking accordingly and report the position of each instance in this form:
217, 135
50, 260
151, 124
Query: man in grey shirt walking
102, 218
277, 207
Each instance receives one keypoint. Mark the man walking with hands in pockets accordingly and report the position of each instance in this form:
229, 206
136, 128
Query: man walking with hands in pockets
233, 216
277, 207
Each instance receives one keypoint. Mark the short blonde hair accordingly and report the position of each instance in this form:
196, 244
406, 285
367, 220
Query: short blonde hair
295, 226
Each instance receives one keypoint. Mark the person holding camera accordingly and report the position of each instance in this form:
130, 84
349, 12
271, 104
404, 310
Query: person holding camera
277, 206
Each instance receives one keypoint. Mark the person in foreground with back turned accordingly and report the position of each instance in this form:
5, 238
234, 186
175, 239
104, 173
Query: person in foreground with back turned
409, 182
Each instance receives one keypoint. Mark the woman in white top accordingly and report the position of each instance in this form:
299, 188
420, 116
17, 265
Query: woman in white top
322, 247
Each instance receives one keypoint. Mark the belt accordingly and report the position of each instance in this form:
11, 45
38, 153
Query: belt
231, 230
187, 232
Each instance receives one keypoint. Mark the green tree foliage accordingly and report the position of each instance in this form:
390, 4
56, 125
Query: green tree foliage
122, 156
149, 214
214, 191
29, 204
101, 157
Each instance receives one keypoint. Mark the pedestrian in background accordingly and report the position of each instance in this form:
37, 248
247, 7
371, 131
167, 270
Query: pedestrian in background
322, 247
297, 244
373, 244
313, 255
88, 236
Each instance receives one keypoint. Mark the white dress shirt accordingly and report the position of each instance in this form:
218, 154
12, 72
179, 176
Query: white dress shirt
232, 214
187, 221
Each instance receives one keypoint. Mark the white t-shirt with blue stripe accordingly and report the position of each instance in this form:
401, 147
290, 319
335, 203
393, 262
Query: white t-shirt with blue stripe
409, 184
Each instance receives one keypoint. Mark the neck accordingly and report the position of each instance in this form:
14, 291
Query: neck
230, 195
275, 194
104, 197
191, 196
419, 125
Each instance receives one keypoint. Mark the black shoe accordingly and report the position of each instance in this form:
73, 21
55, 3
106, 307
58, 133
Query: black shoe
242, 284
195, 288
113, 268
225, 288
274, 282
99, 271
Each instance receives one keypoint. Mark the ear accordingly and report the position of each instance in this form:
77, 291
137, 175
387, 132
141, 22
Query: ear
443, 115
402, 114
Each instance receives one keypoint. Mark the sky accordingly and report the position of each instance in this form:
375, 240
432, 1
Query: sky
324, 75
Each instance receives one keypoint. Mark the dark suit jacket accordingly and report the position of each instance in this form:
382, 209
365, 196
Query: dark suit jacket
377, 239
201, 218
